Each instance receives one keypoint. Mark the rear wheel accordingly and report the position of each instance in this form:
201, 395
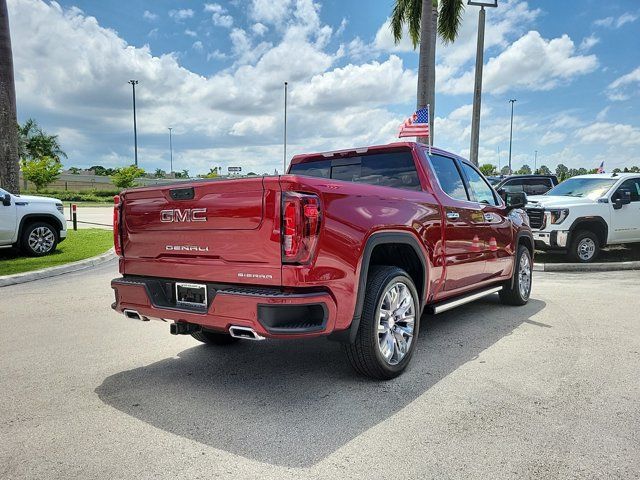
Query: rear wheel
585, 247
388, 329
39, 239
517, 291
213, 338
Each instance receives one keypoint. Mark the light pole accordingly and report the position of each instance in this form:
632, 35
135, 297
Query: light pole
135, 127
535, 161
477, 89
170, 149
284, 159
512, 101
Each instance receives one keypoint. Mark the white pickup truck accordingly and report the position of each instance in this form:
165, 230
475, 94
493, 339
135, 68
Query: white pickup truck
34, 224
587, 212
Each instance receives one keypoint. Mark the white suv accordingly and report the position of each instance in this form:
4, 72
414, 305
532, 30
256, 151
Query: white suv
35, 224
587, 212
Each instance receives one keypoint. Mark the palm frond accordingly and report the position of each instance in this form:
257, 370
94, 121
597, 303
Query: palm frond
449, 19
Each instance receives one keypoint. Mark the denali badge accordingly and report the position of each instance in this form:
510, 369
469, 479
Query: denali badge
186, 248
186, 215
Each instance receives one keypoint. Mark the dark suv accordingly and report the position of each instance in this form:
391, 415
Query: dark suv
529, 184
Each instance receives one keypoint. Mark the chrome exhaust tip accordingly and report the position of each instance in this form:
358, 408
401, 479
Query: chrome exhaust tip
134, 315
244, 333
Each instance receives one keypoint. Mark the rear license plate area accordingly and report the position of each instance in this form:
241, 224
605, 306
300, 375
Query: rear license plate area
191, 295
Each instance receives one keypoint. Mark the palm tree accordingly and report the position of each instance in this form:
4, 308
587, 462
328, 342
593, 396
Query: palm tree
34, 143
446, 23
9, 166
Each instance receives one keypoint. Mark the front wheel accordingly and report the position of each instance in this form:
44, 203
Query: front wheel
388, 330
585, 247
518, 290
39, 239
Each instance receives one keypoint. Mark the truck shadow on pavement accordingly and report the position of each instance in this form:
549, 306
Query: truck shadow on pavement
294, 403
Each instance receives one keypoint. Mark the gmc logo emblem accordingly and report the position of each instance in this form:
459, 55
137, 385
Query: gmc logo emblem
184, 216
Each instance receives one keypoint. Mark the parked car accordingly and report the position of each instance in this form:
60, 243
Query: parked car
495, 180
587, 212
529, 184
353, 245
34, 224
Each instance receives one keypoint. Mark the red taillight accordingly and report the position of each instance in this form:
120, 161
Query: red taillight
117, 244
300, 226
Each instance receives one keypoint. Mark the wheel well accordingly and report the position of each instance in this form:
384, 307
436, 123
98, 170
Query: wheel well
29, 219
403, 256
595, 226
527, 242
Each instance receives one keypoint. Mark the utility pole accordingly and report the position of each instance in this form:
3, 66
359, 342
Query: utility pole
512, 101
170, 149
135, 126
284, 159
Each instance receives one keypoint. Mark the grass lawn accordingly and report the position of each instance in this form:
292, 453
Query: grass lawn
79, 245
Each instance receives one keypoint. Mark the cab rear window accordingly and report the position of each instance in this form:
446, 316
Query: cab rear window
396, 169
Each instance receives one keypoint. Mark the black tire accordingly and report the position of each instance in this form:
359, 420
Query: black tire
47, 234
512, 294
214, 338
584, 247
364, 354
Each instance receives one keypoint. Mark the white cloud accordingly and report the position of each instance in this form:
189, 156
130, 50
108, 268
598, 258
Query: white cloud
219, 15
198, 46
617, 134
625, 86
588, 43
270, 12
181, 14
190, 33
551, 137
147, 15
612, 22
259, 29
531, 62
217, 55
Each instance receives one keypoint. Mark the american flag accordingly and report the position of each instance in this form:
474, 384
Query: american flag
416, 125
601, 167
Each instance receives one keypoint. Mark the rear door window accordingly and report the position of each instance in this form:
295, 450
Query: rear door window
395, 169
449, 177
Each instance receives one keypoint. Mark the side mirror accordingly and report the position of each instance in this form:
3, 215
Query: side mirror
515, 200
6, 200
622, 197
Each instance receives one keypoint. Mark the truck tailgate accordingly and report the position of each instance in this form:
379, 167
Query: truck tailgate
224, 231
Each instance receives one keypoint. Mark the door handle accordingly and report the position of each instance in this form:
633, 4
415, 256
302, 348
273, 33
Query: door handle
453, 215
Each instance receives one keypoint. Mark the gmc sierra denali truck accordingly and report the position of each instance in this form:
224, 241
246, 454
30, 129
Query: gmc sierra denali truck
354, 245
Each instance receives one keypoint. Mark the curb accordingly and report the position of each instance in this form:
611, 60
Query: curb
586, 267
7, 280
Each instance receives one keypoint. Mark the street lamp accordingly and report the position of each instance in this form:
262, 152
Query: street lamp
135, 127
170, 148
512, 101
535, 161
477, 89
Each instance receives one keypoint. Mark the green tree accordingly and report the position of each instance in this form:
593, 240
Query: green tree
35, 143
561, 172
446, 23
504, 170
634, 169
544, 170
524, 170
213, 173
125, 177
74, 170
183, 174
9, 158
102, 171
159, 173
616, 170
488, 169
42, 171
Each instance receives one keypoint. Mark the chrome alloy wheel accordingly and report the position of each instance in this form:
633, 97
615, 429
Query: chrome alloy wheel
586, 249
41, 240
396, 321
524, 274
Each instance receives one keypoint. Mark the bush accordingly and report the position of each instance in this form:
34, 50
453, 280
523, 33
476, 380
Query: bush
125, 177
68, 196
42, 171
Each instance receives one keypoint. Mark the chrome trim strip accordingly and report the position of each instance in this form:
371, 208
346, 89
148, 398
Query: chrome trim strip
443, 307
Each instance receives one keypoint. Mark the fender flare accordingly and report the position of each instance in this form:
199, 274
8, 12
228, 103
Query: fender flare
375, 239
595, 218
45, 217
522, 234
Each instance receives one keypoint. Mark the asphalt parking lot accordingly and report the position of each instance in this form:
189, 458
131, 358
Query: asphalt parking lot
549, 390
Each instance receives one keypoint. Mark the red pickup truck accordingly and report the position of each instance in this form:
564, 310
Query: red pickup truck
353, 244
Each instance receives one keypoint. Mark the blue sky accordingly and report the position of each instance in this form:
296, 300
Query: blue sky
214, 72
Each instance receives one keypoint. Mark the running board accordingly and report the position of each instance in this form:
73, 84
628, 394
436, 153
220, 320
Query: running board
456, 302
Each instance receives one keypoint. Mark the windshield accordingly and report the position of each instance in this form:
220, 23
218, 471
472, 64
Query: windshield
591, 188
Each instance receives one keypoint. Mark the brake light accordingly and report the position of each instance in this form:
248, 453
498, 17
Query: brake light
117, 244
301, 218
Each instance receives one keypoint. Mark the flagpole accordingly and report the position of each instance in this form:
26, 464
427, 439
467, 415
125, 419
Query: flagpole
429, 117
